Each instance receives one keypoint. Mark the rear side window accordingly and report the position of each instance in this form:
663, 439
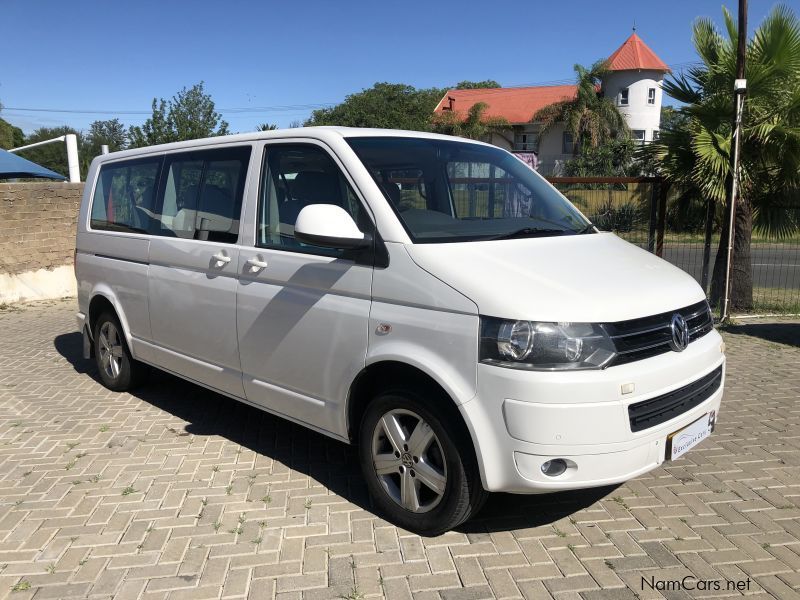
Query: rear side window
202, 193
124, 196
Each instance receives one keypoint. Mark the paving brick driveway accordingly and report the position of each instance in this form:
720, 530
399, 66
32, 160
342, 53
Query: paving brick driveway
176, 492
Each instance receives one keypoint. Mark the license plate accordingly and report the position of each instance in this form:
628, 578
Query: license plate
683, 440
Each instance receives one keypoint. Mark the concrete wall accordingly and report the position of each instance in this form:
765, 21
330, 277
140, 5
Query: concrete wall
37, 239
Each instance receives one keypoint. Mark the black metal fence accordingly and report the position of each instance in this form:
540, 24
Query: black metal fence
644, 212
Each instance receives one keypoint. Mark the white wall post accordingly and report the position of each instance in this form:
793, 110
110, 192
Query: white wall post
72, 158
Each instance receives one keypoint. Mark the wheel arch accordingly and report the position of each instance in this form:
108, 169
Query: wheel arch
102, 300
393, 374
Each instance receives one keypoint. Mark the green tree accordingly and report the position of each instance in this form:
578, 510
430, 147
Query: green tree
110, 132
474, 85
590, 117
673, 118
696, 156
11, 136
54, 156
615, 158
384, 105
475, 126
266, 127
189, 115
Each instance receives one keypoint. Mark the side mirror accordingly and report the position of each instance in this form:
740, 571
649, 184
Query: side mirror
329, 226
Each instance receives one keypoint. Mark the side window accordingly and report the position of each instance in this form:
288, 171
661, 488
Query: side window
202, 193
293, 177
124, 196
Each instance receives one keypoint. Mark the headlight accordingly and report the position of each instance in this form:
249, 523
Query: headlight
544, 346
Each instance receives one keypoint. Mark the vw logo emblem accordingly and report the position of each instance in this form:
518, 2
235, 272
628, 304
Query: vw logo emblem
680, 333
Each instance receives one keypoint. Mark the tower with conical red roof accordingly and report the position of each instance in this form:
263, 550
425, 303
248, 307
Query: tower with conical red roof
634, 83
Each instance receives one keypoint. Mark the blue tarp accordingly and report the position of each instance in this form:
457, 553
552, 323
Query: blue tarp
13, 167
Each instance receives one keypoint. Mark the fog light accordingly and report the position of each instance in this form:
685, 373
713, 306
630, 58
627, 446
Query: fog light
554, 467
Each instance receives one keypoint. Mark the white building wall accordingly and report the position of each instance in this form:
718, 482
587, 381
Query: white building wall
639, 114
504, 141
551, 151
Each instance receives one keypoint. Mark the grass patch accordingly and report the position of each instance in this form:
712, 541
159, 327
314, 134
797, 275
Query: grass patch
21, 586
354, 594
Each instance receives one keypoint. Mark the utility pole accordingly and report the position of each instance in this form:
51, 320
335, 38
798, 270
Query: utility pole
739, 90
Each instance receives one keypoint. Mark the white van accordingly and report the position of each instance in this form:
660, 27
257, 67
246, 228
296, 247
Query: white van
432, 299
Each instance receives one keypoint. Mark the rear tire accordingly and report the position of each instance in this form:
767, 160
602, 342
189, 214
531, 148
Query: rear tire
421, 474
118, 370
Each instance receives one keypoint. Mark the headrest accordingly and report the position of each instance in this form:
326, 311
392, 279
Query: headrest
392, 191
314, 187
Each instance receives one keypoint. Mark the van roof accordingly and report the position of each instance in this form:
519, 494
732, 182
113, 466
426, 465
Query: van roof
321, 133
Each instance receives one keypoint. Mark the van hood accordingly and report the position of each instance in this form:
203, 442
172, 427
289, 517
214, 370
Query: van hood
592, 278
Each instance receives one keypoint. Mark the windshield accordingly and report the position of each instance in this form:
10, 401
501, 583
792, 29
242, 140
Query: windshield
450, 191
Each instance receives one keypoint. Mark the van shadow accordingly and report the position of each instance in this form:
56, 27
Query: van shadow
331, 463
780, 333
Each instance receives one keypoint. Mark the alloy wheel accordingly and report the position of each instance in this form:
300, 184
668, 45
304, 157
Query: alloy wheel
409, 460
110, 347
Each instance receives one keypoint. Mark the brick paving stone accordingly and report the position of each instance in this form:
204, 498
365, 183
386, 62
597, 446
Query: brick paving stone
176, 492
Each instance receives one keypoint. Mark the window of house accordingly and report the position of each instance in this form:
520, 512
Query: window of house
623, 97
567, 143
651, 95
202, 194
656, 134
638, 136
295, 176
526, 141
124, 196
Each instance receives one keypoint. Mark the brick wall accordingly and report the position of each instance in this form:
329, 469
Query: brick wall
37, 225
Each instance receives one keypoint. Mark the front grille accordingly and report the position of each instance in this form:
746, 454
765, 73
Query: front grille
638, 339
655, 411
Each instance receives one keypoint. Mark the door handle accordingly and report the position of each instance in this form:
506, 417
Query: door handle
221, 258
256, 264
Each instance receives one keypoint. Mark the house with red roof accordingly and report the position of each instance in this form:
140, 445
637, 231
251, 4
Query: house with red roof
634, 81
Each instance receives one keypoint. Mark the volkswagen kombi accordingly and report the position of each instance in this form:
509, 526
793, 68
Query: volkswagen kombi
432, 299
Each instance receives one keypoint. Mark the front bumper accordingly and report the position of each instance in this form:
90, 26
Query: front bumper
520, 419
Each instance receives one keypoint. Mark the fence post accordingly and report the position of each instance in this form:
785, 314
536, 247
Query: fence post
492, 176
651, 233
710, 212
663, 188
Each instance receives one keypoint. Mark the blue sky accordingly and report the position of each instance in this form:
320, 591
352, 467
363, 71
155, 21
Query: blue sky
276, 59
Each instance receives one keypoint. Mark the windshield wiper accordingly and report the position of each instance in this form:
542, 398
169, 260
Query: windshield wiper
588, 229
529, 232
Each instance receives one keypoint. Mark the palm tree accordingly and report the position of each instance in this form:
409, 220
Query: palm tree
695, 157
475, 126
590, 117
266, 127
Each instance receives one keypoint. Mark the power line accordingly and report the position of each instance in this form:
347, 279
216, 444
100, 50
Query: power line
297, 107
236, 110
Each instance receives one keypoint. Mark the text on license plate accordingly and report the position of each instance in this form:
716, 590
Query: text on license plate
683, 440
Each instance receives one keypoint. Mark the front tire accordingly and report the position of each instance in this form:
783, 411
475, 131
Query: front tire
421, 474
118, 370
